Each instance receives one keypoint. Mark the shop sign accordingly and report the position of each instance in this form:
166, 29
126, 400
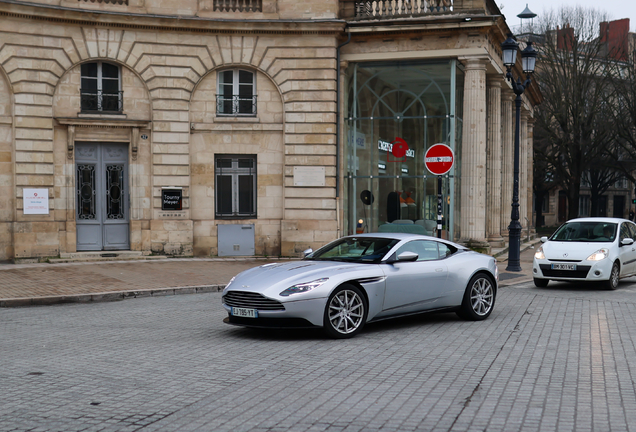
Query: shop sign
360, 138
36, 201
171, 199
388, 147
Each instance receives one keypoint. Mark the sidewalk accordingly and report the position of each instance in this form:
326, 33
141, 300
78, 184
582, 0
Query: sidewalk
44, 284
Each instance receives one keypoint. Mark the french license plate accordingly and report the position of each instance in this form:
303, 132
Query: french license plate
245, 313
563, 266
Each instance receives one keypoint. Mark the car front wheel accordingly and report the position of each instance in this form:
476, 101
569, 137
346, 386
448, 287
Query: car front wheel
541, 283
612, 282
346, 312
479, 298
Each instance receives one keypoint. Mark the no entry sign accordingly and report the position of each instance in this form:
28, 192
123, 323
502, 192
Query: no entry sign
439, 159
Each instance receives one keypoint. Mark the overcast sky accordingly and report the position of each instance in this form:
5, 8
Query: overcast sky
616, 9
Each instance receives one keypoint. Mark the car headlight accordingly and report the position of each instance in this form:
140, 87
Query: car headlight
539, 253
600, 254
303, 287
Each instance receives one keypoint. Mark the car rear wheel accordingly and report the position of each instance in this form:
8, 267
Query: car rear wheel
541, 283
346, 312
479, 298
612, 282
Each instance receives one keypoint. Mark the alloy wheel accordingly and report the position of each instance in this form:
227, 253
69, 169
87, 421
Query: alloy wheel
482, 296
346, 311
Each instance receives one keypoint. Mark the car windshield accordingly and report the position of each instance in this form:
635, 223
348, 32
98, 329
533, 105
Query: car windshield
586, 232
355, 249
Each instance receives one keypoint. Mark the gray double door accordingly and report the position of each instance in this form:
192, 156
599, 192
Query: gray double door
102, 208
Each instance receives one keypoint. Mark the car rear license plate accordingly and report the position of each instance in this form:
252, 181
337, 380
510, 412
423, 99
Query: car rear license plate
244, 312
563, 266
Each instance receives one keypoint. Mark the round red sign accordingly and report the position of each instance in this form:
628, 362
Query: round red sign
439, 159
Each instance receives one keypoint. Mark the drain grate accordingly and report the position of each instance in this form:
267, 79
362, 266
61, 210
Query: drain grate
109, 255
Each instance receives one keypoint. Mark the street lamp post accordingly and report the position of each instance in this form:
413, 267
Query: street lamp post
528, 60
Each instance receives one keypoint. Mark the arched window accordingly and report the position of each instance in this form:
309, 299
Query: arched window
236, 93
101, 88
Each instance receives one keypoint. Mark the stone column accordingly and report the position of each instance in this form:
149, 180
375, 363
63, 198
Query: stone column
493, 163
473, 180
531, 213
523, 170
508, 143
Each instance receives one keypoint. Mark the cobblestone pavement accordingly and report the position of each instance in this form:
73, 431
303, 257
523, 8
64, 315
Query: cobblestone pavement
33, 284
561, 358
29, 281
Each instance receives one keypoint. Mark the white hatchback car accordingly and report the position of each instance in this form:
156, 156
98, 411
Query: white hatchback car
587, 250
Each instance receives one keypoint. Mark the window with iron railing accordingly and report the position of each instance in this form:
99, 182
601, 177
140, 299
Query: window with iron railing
238, 5
100, 89
236, 93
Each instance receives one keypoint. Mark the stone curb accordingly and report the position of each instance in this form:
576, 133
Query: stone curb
108, 296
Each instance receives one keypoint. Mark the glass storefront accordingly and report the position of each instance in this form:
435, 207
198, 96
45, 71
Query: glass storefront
394, 113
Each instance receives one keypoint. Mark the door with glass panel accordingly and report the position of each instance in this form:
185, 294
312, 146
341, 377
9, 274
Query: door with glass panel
101, 184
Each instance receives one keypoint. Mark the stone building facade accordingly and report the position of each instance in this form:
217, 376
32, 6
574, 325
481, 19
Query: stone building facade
212, 127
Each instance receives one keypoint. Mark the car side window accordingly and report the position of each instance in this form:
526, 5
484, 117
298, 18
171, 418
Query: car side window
625, 232
632, 230
426, 250
444, 250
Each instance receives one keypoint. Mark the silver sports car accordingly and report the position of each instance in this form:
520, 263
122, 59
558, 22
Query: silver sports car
364, 278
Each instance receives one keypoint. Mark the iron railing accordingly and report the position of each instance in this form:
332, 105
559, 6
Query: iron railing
238, 5
98, 100
400, 8
235, 105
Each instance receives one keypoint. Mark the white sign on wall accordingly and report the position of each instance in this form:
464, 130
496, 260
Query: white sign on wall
309, 176
36, 201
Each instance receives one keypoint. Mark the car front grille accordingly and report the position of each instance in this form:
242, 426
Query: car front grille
251, 300
580, 272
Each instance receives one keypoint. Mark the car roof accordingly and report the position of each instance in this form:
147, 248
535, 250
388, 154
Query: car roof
599, 219
404, 236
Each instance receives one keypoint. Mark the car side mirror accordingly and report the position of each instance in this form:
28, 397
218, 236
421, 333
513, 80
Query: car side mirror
627, 242
307, 252
407, 256
544, 239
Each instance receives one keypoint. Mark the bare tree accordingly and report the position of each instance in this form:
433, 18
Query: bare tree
571, 74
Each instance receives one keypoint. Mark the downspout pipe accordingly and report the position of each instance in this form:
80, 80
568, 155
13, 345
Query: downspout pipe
338, 131
338, 114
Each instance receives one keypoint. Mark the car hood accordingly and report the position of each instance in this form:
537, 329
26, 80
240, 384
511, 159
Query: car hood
578, 251
271, 279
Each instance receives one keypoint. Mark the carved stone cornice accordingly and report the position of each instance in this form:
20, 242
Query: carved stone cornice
103, 123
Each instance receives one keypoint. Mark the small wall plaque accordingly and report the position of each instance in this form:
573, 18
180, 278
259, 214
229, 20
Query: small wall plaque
309, 176
171, 199
144, 137
36, 201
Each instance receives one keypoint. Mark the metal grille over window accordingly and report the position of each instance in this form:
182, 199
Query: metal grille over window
100, 90
118, 2
114, 191
235, 183
236, 94
238, 5
85, 191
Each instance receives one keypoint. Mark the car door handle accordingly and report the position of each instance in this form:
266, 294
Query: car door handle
439, 269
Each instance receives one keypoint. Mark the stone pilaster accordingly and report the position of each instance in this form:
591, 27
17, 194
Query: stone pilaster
523, 170
473, 180
493, 170
508, 142
530, 132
